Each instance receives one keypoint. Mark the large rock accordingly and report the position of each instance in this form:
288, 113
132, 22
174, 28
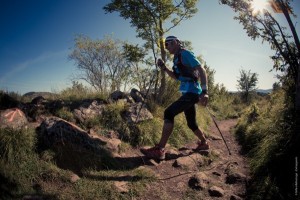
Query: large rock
74, 148
89, 110
112, 143
116, 95
55, 131
135, 113
136, 95
13, 118
39, 100
119, 95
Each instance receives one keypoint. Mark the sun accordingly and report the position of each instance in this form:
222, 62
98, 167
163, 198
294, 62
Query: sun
258, 6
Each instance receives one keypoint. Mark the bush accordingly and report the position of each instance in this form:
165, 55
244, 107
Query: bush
19, 163
264, 132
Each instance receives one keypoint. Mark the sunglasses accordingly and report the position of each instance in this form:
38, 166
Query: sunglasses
167, 44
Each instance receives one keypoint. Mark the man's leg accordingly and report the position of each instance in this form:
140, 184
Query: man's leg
166, 132
199, 133
175, 108
190, 115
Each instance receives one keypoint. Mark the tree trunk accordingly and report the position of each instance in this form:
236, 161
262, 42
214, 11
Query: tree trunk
163, 56
296, 38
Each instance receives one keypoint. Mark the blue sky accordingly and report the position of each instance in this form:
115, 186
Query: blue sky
36, 37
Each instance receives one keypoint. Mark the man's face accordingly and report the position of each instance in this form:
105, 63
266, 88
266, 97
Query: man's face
171, 46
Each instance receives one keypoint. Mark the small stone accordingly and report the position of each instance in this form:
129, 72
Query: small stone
235, 197
172, 154
199, 181
235, 177
189, 162
216, 191
121, 186
74, 178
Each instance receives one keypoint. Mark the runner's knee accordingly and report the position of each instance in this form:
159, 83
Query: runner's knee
193, 126
169, 116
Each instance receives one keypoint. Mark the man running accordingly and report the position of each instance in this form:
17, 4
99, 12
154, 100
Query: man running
187, 69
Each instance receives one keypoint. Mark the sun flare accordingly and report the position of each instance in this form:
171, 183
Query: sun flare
259, 6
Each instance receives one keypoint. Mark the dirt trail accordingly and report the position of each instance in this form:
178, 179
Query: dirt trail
227, 173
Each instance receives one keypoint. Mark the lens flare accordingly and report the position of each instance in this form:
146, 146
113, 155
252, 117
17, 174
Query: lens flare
258, 6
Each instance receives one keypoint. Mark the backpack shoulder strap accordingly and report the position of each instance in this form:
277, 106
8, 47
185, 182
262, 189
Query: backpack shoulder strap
185, 71
179, 57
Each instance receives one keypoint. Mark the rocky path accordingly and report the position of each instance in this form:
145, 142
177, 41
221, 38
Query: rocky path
206, 175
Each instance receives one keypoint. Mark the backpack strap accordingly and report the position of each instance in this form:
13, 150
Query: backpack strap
184, 70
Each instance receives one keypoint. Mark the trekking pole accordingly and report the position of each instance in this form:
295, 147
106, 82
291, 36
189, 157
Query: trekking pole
143, 102
213, 118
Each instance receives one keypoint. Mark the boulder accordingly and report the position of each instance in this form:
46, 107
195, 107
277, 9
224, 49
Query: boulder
112, 143
74, 149
88, 110
116, 95
136, 95
135, 113
13, 118
55, 131
38, 100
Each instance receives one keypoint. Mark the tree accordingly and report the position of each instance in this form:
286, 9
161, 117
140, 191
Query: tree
140, 72
247, 82
276, 86
150, 18
101, 62
287, 60
287, 46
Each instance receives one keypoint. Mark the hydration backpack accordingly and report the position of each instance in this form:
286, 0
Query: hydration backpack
185, 71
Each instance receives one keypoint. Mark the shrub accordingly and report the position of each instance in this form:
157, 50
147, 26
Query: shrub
264, 133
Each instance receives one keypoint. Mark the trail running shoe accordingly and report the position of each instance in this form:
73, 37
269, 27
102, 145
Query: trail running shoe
202, 146
154, 153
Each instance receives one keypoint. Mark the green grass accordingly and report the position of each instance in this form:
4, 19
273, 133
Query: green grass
27, 172
28, 169
264, 134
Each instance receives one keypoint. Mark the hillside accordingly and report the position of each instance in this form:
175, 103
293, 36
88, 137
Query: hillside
48, 157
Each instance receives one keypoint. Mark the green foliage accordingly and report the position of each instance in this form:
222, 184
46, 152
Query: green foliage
171, 94
264, 132
101, 62
225, 105
65, 114
151, 20
77, 92
285, 44
27, 172
19, 164
111, 116
16, 144
148, 132
247, 82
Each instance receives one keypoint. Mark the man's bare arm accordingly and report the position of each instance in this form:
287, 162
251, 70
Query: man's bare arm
203, 77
